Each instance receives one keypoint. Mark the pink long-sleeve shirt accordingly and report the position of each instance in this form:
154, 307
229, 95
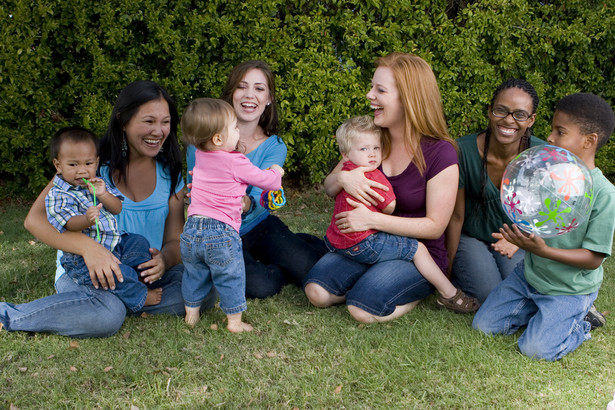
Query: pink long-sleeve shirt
219, 181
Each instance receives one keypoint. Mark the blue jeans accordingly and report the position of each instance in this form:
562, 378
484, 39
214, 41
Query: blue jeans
81, 311
478, 269
376, 289
555, 325
274, 256
212, 256
379, 247
132, 250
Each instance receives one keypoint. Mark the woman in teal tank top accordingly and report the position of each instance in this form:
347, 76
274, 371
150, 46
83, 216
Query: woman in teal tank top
477, 260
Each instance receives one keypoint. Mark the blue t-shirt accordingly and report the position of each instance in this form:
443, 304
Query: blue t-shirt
271, 151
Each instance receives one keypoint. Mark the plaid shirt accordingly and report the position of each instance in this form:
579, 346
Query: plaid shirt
65, 201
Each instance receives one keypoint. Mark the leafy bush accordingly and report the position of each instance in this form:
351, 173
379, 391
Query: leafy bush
64, 63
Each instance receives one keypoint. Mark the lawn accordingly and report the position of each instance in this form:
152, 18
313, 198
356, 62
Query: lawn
297, 357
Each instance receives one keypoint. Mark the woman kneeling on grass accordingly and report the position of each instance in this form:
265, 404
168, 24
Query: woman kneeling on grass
420, 162
140, 156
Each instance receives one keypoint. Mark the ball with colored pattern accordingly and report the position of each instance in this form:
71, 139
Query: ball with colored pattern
547, 190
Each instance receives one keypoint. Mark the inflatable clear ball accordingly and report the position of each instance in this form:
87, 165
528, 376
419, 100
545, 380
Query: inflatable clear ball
547, 191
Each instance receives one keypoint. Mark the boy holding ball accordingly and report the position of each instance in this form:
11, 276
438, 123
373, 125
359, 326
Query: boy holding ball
552, 290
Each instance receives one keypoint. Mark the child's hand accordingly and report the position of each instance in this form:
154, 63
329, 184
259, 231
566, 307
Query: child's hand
530, 243
93, 213
99, 184
504, 247
277, 168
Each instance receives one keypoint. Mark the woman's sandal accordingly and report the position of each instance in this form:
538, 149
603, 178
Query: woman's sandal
467, 304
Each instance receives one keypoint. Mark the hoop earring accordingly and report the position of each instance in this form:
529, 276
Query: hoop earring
124, 147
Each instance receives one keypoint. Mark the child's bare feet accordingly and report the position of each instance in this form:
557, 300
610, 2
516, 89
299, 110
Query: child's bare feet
235, 325
193, 315
154, 296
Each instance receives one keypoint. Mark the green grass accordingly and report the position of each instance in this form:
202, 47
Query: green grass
298, 356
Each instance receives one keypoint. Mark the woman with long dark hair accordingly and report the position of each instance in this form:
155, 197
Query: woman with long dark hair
139, 154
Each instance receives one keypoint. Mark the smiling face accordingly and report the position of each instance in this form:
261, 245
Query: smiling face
75, 161
251, 96
385, 100
147, 130
507, 130
365, 151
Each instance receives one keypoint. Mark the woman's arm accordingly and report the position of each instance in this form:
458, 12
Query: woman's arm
100, 262
354, 183
453, 230
440, 201
170, 254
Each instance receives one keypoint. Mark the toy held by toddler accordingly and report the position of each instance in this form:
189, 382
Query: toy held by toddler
359, 141
210, 244
70, 206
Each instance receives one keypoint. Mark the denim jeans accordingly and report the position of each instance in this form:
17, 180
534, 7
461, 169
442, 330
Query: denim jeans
274, 256
81, 311
212, 256
478, 268
379, 247
376, 289
132, 250
555, 325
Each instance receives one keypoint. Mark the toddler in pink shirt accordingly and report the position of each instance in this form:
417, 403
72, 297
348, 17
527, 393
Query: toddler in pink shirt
210, 244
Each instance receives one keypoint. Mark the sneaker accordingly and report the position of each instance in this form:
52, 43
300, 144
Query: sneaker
595, 318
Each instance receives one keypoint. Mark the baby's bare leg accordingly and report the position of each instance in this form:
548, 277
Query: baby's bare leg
235, 325
154, 296
193, 315
432, 272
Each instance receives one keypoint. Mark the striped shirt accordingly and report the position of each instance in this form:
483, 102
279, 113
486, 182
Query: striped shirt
65, 201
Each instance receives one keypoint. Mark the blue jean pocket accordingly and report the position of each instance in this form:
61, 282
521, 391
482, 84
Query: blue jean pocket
220, 253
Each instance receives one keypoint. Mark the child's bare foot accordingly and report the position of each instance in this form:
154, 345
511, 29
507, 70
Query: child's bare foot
239, 327
235, 325
154, 296
193, 315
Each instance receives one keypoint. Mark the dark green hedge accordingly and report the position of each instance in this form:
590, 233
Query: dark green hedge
64, 62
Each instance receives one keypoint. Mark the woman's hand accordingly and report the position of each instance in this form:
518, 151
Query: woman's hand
154, 268
358, 186
356, 220
102, 265
246, 203
504, 247
189, 185
530, 243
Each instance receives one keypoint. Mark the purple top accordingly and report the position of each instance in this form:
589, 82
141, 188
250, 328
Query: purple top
410, 189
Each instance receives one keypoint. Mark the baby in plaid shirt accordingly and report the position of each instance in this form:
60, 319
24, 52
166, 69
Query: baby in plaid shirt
70, 206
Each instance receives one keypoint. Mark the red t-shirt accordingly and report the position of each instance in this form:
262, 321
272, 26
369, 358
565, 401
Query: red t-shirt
341, 240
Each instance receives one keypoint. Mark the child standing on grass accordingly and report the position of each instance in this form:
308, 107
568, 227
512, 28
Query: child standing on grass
70, 206
359, 141
210, 244
553, 289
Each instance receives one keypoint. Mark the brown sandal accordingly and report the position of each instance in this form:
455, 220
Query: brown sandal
460, 303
